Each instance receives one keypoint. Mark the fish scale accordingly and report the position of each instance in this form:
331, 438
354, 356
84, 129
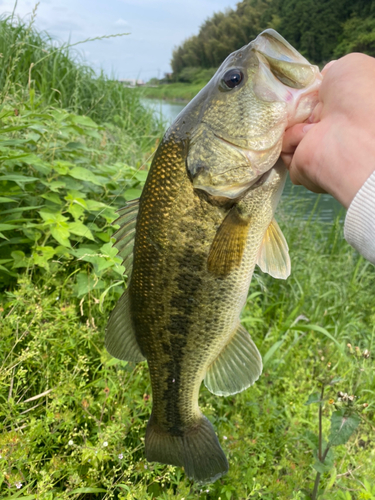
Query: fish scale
204, 221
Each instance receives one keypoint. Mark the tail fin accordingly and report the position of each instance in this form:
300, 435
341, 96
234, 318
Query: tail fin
197, 450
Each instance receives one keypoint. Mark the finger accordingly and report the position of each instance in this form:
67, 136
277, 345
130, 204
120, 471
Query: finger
315, 115
327, 66
292, 137
298, 177
287, 159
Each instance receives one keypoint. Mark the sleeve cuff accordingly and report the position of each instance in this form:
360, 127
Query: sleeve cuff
359, 229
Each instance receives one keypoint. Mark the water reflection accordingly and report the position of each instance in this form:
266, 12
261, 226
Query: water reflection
323, 206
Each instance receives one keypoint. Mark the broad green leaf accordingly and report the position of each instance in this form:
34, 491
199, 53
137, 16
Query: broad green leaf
75, 145
35, 162
85, 121
103, 236
61, 234
31, 233
132, 194
52, 217
42, 255
86, 283
54, 185
325, 466
95, 206
62, 167
311, 439
19, 179
80, 229
109, 250
20, 259
76, 210
76, 197
54, 198
343, 424
141, 175
313, 398
83, 174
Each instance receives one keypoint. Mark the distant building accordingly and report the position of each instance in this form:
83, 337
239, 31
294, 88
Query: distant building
131, 82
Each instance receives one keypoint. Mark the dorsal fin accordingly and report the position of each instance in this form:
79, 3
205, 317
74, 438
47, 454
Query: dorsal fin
274, 253
125, 235
236, 368
228, 245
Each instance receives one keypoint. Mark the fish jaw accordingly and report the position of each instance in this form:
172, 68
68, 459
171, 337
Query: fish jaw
285, 74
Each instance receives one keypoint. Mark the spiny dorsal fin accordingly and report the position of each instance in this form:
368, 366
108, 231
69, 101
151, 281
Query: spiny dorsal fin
229, 244
236, 368
274, 253
120, 340
125, 235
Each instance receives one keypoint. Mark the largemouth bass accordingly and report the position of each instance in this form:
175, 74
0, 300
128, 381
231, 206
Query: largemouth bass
204, 220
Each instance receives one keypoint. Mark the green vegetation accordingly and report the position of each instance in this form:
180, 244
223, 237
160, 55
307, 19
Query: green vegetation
72, 418
319, 29
173, 91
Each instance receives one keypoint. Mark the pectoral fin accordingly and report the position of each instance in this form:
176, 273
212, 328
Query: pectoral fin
229, 244
274, 253
120, 340
236, 368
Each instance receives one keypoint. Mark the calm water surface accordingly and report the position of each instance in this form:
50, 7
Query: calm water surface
321, 206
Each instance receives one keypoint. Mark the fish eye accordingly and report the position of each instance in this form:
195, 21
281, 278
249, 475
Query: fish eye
231, 79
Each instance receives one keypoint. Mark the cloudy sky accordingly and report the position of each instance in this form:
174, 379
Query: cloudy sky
155, 27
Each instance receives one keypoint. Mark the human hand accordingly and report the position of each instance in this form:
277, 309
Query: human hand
335, 151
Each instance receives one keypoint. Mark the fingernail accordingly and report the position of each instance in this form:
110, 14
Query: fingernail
307, 127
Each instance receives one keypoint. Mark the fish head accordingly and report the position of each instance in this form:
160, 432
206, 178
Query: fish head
242, 113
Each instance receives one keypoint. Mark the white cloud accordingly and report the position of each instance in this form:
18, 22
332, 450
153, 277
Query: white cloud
121, 22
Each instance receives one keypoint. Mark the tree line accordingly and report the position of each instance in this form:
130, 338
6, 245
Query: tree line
320, 29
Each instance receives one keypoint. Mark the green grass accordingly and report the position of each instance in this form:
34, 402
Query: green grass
32, 62
88, 430
173, 91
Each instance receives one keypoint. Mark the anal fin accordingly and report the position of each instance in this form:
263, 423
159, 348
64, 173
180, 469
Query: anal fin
236, 368
120, 340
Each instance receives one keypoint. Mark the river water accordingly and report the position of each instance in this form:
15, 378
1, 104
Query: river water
310, 205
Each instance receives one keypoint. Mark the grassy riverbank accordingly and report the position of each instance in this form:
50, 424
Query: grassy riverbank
181, 92
73, 419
